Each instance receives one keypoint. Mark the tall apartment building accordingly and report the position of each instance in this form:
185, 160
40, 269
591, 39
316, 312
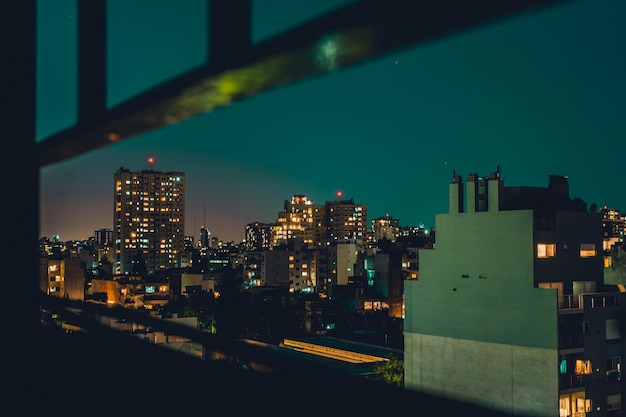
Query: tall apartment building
149, 218
510, 310
294, 222
103, 237
258, 236
341, 221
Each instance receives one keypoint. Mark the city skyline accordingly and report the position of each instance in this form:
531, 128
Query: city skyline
538, 94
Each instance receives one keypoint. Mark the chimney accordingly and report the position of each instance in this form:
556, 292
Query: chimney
455, 195
472, 192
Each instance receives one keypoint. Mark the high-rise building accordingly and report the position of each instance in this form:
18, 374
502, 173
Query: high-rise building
341, 221
511, 310
149, 219
258, 236
295, 221
103, 237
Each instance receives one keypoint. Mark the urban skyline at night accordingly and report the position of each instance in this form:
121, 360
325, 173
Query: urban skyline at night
538, 94
416, 205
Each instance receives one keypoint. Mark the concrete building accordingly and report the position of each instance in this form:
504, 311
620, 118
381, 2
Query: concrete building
149, 219
510, 310
258, 236
64, 278
341, 221
385, 227
294, 222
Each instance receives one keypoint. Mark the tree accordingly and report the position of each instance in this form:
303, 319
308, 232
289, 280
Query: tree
391, 371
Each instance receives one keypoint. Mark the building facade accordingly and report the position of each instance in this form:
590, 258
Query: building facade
62, 277
385, 227
258, 236
149, 219
294, 222
510, 310
341, 221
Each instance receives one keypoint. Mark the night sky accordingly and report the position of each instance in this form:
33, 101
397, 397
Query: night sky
539, 94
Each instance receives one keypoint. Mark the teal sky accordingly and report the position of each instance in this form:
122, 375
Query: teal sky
539, 94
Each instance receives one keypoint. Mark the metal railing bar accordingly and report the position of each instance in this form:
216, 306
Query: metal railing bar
361, 31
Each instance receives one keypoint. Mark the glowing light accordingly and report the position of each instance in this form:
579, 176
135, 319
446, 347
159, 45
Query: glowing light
328, 53
150, 160
339, 193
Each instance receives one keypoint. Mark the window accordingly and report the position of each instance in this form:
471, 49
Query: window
546, 250
587, 250
612, 329
583, 367
614, 368
614, 404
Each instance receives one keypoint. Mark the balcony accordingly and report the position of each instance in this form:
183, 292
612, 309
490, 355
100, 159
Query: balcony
570, 381
570, 301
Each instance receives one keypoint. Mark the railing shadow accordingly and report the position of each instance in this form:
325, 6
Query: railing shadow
100, 370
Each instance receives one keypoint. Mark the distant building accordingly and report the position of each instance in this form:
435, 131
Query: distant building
104, 237
120, 290
341, 221
294, 222
385, 227
191, 282
258, 236
63, 277
613, 227
205, 240
510, 310
149, 217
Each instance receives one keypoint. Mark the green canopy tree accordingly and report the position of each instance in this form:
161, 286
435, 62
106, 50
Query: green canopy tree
391, 371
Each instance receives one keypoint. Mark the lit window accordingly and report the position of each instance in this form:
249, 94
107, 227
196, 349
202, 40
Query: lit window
546, 250
587, 250
583, 367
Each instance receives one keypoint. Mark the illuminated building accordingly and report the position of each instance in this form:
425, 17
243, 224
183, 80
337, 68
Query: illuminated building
341, 221
293, 265
613, 226
62, 277
258, 236
511, 310
149, 219
386, 227
103, 237
294, 222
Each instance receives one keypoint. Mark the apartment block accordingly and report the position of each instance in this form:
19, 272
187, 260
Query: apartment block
149, 219
510, 310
